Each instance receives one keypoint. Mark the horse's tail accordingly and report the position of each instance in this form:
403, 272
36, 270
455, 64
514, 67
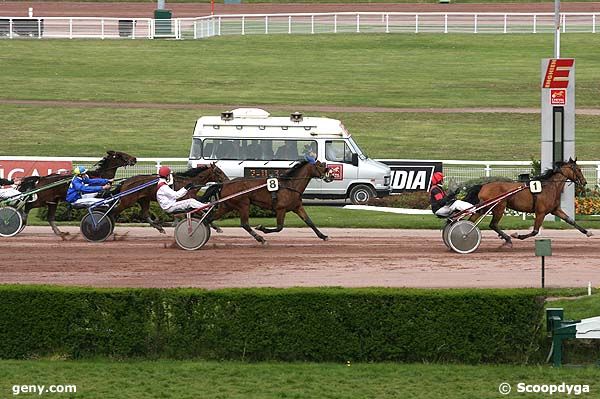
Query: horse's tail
473, 194
211, 193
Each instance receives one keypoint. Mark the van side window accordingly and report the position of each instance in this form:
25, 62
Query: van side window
196, 152
287, 151
338, 151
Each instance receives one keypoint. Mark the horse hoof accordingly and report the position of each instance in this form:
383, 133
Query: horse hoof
219, 230
515, 235
326, 238
507, 244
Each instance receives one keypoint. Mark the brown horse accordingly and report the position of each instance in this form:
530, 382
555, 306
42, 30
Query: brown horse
542, 204
196, 176
106, 168
288, 198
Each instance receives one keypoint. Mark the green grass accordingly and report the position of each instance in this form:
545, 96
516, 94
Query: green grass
201, 379
327, 216
580, 308
399, 70
46, 131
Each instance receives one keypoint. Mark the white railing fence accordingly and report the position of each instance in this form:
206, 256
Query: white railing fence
298, 23
457, 171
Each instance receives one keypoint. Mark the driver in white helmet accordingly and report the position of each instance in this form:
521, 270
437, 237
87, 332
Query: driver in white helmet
7, 189
167, 197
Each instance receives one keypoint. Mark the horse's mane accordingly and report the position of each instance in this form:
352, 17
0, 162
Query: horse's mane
191, 172
28, 183
548, 173
291, 172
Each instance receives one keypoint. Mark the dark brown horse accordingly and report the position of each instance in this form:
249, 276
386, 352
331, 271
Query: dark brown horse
196, 176
106, 168
542, 204
288, 198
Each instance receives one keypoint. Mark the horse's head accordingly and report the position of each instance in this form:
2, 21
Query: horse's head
200, 175
323, 172
119, 158
571, 171
28, 183
217, 173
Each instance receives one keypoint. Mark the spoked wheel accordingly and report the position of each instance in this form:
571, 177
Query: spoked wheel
445, 232
11, 221
191, 235
464, 237
96, 227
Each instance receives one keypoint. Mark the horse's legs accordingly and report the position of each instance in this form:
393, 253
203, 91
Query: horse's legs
304, 216
145, 205
497, 214
280, 220
244, 211
561, 214
537, 224
51, 216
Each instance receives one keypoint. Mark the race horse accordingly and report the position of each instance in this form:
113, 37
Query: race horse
197, 176
106, 168
292, 184
542, 204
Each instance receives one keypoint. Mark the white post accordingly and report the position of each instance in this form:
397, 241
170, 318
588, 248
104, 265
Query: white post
10, 28
195, 29
30, 12
266, 24
416, 23
70, 28
594, 23
598, 174
445, 23
475, 23
102, 29
39, 28
534, 23
505, 21
387, 23
243, 25
357, 23
134, 23
219, 26
564, 23
488, 171
290, 24
334, 23
312, 24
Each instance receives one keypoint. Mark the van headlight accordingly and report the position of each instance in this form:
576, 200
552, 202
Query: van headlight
386, 180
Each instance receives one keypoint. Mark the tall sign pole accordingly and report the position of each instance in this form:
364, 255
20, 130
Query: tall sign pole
558, 113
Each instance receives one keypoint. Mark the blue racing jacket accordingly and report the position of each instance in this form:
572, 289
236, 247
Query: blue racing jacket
80, 186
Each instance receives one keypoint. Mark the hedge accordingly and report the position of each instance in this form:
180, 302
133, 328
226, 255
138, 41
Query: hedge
298, 324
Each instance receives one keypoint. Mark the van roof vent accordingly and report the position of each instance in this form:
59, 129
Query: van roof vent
251, 113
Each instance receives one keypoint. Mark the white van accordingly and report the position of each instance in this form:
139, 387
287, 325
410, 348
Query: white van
248, 142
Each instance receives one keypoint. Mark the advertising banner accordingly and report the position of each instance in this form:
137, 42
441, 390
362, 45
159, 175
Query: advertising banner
412, 176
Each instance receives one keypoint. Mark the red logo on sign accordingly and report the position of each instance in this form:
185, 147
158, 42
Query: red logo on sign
557, 74
18, 169
558, 97
336, 170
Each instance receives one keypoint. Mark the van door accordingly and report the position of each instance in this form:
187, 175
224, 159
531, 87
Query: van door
339, 159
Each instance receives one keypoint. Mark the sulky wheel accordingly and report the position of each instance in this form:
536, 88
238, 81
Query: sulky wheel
445, 232
191, 235
464, 237
11, 221
96, 227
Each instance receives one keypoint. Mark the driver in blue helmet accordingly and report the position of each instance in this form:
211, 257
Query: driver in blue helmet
83, 190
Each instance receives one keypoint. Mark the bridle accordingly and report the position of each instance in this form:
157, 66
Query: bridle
577, 181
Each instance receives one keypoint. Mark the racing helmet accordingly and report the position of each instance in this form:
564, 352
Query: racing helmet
164, 171
437, 178
79, 170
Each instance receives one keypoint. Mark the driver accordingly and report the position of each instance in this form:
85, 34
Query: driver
83, 190
444, 204
7, 189
167, 197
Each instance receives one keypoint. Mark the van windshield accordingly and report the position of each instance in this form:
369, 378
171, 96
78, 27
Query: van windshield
356, 148
253, 149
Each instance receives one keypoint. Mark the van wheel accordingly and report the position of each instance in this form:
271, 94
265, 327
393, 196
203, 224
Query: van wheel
361, 194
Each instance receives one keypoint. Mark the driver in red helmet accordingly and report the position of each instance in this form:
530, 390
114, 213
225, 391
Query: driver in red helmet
167, 197
443, 204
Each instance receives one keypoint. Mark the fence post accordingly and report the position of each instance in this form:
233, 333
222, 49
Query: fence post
266, 24
157, 165
416, 23
334, 23
488, 171
195, 24
219, 26
387, 23
534, 23
564, 23
445, 23
312, 24
70, 28
134, 22
39, 28
598, 174
357, 23
290, 24
594, 23
505, 20
475, 23
243, 25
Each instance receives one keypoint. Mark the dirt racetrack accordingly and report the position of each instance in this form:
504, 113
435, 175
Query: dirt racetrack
294, 257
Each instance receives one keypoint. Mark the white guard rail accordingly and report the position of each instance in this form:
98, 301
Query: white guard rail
298, 23
456, 170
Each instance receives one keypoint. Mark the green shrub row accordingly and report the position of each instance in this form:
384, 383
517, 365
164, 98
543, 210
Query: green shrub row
299, 324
